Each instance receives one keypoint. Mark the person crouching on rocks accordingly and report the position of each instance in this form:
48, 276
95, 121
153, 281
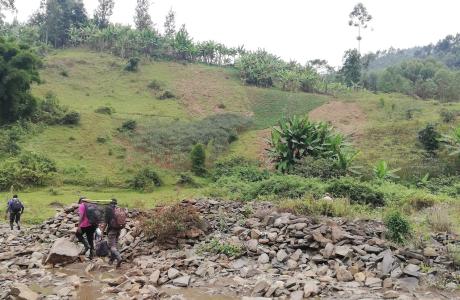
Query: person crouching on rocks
87, 226
115, 219
15, 208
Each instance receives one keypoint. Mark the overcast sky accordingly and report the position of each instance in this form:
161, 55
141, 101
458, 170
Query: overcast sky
296, 29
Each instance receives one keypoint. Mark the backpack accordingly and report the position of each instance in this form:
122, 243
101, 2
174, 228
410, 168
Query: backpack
102, 248
15, 205
93, 213
118, 219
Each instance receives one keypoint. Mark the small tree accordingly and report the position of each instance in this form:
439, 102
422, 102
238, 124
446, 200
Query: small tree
382, 171
142, 17
351, 69
170, 24
198, 158
103, 13
429, 138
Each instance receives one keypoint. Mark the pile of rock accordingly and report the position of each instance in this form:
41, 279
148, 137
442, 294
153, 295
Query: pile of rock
284, 256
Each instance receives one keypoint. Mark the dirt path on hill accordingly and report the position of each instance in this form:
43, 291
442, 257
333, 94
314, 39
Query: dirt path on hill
348, 118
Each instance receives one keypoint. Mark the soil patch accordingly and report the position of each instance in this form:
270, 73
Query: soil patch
348, 118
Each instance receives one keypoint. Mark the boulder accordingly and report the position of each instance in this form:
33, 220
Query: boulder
251, 245
62, 252
263, 258
22, 292
297, 295
173, 273
182, 281
281, 256
310, 288
260, 288
344, 275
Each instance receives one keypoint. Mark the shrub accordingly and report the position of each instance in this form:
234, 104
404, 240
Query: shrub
448, 116
227, 167
166, 95
129, 125
420, 201
169, 222
439, 220
64, 73
216, 247
357, 192
398, 227
221, 106
449, 185
198, 159
101, 139
320, 167
105, 110
155, 85
286, 186
186, 180
258, 68
133, 64
27, 170
429, 138
146, 179
71, 118
336, 208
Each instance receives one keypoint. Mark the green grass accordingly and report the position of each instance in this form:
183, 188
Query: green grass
269, 105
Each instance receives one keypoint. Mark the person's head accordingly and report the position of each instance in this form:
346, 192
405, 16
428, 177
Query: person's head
114, 201
81, 199
15, 196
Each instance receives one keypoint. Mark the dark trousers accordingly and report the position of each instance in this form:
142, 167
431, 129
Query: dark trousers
89, 233
113, 235
15, 217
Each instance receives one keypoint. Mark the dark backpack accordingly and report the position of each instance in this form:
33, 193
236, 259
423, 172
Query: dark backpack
102, 248
15, 205
93, 213
118, 219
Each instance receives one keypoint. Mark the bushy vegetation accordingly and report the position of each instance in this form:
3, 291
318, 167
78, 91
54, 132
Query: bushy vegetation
179, 137
239, 167
146, 179
217, 247
398, 226
198, 159
51, 112
357, 192
104, 110
26, 170
296, 137
325, 168
128, 126
133, 64
429, 138
168, 222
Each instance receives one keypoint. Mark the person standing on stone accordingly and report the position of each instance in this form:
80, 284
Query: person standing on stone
86, 227
115, 220
15, 208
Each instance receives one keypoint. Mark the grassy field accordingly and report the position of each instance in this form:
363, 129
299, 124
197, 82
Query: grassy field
84, 81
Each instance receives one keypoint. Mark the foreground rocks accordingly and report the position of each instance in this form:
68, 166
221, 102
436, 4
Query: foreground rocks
281, 256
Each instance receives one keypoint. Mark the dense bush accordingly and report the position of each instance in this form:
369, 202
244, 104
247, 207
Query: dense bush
167, 95
155, 85
357, 192
104, 110
27, 170
448, 116
128, 125
429, 138
146, 179
198, 159
186, 179
169, 222
179, 137
240, 168
285, 186
320, 167
398, 227
259, 68
133, 64
71, 118
449, 185
217, 247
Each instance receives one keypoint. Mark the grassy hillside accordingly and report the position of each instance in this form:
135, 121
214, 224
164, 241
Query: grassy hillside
95, 160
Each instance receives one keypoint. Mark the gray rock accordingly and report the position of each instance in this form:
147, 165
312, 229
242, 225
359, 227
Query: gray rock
297, 295
153, 279
408, 283
412, 270
310, 288
22, 292
63, 251
182, 281
296, 255
251, 245
430, 252
373, 282
344, 275
344, 251
260, 288
263, 258
396, 273
451, 286
239, 263
281, 256
372, 249
173, 273
291, 264
390, 295
387, 263
328, 250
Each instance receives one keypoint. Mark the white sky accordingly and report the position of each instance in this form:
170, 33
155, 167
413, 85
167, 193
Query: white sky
296, 29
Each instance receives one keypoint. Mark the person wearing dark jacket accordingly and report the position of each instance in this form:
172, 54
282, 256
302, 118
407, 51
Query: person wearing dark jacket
113, 234
85, 228
15, 208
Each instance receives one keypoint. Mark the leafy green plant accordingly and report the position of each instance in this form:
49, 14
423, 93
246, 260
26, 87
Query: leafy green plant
186, 179
217, 247
448, 116
155, 85
259, 68
105, 110
383, 172
325, 168
357, 192
133, 64
167, 95
71, 118
398, 226
198, 159
452, 141
128, 125
429, 138
146, 179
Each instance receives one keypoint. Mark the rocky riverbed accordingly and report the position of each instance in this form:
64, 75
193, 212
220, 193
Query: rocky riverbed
280, 256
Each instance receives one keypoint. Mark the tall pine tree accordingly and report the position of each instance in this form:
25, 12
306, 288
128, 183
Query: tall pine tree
142, 17
103, 12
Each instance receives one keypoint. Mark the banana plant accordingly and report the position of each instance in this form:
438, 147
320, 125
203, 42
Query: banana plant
382, 171
452, 141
